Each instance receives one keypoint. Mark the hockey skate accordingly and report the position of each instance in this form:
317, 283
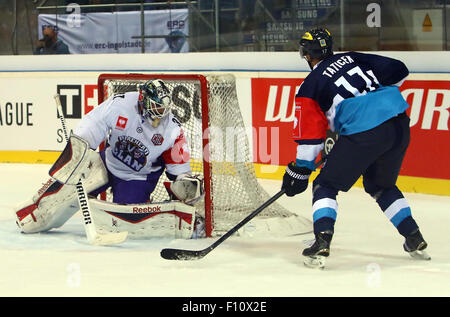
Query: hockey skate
318, 251
415, 246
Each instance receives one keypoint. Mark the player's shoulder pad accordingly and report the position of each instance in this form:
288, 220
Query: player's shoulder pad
173, 121
308, 87
121, 99
124, 103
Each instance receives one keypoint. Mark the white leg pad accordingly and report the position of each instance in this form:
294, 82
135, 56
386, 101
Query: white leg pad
171, 219
54, 203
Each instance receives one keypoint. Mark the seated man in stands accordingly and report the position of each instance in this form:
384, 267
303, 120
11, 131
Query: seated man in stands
50, 44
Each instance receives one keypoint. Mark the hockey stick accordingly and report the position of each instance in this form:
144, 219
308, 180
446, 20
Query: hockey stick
180, 254
93, 236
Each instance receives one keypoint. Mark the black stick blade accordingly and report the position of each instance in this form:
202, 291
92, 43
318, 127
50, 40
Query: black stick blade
178, 254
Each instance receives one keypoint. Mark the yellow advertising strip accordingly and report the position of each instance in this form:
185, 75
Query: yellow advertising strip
32, 157
405, 183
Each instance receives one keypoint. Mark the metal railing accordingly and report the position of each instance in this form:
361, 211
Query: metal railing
223, 25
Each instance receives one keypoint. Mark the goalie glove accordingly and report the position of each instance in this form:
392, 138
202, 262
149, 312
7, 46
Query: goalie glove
186, 188
295, 179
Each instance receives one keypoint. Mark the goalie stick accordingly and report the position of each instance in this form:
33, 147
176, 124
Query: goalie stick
180, 254
93, 236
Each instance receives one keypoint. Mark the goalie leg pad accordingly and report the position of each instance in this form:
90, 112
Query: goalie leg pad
54, 203
142, 221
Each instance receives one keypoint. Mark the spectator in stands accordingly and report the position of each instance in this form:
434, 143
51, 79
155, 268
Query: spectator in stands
50, 44
176, 40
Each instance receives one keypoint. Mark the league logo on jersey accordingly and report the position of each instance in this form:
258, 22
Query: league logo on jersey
121, 123
157, 139
131, 152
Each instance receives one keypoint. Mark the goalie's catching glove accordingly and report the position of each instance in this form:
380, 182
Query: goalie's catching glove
186, 188
295, 179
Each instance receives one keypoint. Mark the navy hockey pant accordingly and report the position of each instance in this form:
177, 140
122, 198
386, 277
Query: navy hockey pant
129, 192
377, 155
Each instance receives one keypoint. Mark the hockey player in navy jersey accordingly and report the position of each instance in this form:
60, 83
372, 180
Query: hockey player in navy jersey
356, 95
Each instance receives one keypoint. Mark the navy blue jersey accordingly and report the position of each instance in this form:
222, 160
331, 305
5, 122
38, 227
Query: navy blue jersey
348, 93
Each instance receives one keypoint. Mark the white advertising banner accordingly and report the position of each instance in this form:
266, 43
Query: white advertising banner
28, 115
119, 32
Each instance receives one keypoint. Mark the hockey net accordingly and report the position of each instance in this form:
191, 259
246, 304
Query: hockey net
208, 109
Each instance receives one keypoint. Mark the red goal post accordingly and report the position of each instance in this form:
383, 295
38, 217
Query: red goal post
102, 95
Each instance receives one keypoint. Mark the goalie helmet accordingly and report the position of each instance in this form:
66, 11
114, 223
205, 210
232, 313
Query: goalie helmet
317, 43
154, 101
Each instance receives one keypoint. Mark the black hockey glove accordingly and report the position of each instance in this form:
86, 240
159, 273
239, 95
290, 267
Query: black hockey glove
295, 179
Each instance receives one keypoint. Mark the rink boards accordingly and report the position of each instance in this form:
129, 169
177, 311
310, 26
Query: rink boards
31, 132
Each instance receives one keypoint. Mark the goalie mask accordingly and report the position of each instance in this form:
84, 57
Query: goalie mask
316, 43
154, 101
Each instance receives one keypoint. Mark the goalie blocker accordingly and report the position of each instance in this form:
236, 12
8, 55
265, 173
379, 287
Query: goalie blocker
56, 201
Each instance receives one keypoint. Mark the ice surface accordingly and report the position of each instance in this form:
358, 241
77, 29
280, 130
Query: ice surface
366, 258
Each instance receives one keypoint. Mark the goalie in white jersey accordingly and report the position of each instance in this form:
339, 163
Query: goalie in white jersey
144, 139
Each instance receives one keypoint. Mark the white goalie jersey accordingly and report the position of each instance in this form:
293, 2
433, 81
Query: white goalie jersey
136, 148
